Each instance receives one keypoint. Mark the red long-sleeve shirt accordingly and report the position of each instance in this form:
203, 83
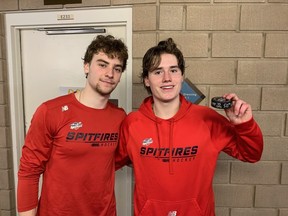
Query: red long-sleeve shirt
174, 160
73, 146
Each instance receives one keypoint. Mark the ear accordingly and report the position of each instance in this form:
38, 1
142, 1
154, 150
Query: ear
146, 81
86, 68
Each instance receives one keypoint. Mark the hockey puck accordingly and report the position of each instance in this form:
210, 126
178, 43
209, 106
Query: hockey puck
221, 103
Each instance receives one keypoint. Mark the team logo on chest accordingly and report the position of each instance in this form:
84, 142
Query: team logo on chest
172, 213
147, 141
76, 125
176, 154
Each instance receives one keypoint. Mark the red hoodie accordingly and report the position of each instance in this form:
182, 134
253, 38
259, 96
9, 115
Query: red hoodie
174, 160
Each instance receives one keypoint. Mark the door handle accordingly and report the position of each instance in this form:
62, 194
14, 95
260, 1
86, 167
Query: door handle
72, 30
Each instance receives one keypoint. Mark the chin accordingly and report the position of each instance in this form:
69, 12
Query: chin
105, 93
169, 98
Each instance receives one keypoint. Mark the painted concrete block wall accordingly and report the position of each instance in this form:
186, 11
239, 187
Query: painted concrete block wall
236, 46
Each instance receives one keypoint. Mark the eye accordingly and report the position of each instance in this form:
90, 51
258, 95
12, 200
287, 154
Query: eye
102, 65
157, 72
174, 70
118, 69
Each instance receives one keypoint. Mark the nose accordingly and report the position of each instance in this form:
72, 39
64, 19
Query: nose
166, 76
110, 72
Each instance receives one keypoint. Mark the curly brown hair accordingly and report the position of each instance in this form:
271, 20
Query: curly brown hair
112, 47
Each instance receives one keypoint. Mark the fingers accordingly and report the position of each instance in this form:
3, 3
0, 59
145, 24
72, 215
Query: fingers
239, 106
231, 96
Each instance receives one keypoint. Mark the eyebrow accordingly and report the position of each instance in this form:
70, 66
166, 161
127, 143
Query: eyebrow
171, 67
117, 65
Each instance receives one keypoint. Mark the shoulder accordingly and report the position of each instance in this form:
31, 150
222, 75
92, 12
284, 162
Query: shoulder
59, 101
203, 110
54, 106
133, 116
206, 114
115, 109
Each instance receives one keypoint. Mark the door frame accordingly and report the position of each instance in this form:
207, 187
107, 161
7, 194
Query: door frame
15, 21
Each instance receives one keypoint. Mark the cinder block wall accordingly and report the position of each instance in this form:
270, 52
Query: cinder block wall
236, 46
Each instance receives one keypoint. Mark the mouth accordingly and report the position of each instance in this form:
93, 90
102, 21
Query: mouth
109, 82
168, 87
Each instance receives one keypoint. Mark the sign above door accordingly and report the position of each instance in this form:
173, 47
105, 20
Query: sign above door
53, 2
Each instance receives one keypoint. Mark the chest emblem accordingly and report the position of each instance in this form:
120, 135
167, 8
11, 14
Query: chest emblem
76, 125
172, 213
147, 141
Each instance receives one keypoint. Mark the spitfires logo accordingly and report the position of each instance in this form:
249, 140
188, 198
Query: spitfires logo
76, 125
176, 154
147, 141
172, 213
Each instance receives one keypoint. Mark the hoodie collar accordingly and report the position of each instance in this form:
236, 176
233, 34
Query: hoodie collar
146, 109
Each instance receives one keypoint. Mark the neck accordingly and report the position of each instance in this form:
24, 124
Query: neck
94, 100
166, 110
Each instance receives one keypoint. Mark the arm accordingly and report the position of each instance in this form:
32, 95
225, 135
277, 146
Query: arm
121, 155
246, 143
35, 154
249, 138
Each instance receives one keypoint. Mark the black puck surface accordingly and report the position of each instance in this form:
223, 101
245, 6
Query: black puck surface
221, 103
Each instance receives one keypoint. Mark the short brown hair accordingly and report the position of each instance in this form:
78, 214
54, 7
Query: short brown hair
152, 58
112, 47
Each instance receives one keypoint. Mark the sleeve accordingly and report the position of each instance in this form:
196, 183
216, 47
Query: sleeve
246, 142
121, 155
35, 153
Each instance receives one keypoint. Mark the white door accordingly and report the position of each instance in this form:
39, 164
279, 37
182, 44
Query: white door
43, 66
52, 65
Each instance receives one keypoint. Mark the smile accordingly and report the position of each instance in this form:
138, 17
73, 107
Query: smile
167, 87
